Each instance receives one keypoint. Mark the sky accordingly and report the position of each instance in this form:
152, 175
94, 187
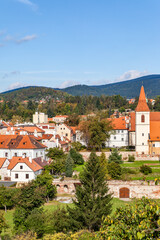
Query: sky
60, 43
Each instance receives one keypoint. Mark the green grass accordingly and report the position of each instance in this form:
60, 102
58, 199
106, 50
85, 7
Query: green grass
140, 163
79, 168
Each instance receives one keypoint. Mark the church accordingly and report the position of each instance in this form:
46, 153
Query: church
141, 129
147, 128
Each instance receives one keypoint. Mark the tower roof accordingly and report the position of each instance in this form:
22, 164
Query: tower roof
142, 104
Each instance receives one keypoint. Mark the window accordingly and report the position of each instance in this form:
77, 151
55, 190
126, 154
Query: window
21, 167
114, 137
16, 175
15, 154
27, 176
122, 139
24, 154
143, 134
142, 143
118, 131
63, 128
153, 145
122, 131
66, 134
36, 154
6, 154
142, 118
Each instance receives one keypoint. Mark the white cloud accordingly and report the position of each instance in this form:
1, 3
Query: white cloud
68, 84
16, 85
29, 3
131, 74
26, 38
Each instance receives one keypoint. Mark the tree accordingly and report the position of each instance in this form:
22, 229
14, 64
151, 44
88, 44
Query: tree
92, 200
95, 132
6, 197
114, 170
141, 221
72, 120
104, 163
16, 119
3, 224
78, 146
76, 156
45, 180
28, 198
115, 157
57, 166
69, 166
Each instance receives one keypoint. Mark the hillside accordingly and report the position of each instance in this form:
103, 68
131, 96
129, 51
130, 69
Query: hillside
32, 93
127, 89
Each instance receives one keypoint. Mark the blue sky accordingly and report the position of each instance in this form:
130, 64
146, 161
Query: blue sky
58, 43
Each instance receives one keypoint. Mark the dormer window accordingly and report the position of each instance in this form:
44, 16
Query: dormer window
143, 118
24, 143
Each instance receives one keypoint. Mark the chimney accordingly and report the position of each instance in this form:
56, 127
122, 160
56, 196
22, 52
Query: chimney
30, 159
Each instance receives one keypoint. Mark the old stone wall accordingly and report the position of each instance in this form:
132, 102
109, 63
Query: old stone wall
124, 156
135, 189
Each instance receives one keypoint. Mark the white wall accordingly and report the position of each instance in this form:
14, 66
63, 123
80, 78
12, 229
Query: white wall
33, 153
142, 132
3, 169
118, 139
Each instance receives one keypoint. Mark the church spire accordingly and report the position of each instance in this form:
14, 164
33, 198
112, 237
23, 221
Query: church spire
142, 104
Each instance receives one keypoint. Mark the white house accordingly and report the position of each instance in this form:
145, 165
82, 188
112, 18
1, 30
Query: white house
21, 169
19, 145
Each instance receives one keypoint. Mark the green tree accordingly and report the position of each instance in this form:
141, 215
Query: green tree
28, 198
92, 200
55, 153
6, 197
95, 132
104, 163
114, 170
76, 156
69, 166
115, 157
141, 221
45, 180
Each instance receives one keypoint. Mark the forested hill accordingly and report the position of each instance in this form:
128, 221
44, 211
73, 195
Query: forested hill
129, 89
32, 93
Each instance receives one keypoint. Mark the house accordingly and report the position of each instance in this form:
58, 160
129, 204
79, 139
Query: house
65, 131
60, 118
21, 145
40, 118
21, 169
119, 135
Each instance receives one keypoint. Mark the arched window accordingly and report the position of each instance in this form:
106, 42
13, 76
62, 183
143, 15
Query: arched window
142, 118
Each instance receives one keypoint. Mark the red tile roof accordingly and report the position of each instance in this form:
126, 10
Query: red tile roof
19, 142
132, 122
142, 104
15, 160
2, 160
118, 123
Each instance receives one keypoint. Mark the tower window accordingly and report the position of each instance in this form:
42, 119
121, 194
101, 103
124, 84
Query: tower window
142, 118
143, 134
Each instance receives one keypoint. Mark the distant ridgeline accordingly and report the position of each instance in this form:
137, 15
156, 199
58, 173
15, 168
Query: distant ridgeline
128, 89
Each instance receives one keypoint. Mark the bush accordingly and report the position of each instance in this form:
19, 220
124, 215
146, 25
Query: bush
115, 157
128, 171
114, 170
77, 157
145, 169
131, 158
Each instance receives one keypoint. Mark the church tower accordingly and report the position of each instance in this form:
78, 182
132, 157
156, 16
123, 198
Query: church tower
142, 124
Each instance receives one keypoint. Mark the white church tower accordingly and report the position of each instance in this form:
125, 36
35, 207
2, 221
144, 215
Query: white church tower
142, 124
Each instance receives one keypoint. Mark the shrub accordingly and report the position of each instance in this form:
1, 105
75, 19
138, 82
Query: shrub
114, 170
131, 158
77, 157
145, 169
128, 171
115, 157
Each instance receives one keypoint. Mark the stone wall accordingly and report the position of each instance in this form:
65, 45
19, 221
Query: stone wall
124, 156
136, 189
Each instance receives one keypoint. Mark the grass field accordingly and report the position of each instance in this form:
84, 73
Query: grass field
51, 206
155, 165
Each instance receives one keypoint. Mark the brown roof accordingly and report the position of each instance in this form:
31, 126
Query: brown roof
47, 136
132, 122
118, 123
15, 160
142, 104
2, 160
19, 142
